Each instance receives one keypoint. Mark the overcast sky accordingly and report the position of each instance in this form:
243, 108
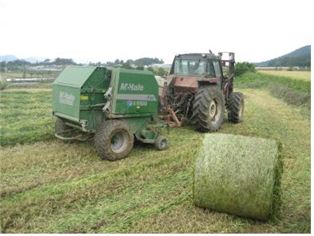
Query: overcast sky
93, 30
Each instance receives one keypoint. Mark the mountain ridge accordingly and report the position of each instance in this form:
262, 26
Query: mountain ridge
300, 57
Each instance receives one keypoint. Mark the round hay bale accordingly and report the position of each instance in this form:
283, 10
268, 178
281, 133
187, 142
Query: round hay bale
238, 175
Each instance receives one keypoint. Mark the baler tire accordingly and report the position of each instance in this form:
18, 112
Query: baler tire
202, 117
106, 136
235, 107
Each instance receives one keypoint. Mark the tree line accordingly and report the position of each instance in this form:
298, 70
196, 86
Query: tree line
139, 64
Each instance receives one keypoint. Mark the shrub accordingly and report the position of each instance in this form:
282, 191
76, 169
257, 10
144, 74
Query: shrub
243, 67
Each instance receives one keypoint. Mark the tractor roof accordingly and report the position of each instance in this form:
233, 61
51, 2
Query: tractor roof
198, 55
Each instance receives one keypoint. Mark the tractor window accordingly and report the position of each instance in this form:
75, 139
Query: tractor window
211, 70
217, 69
190, 67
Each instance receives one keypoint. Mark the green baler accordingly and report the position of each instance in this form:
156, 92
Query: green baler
113, 105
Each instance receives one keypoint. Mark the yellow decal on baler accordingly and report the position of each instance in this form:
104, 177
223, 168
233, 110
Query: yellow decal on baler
82, 97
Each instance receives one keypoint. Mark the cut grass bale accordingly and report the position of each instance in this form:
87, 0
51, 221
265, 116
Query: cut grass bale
238, 175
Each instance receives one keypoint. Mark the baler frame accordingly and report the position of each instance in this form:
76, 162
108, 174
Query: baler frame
127, 99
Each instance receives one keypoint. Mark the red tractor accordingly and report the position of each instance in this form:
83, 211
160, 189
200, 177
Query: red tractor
198, 91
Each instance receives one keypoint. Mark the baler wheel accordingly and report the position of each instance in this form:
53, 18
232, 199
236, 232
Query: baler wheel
235, 107
113, 140
208, 109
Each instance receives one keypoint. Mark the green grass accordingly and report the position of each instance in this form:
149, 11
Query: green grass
29, 74
259, 80
25, 115
51, 186
300, 75
292, 91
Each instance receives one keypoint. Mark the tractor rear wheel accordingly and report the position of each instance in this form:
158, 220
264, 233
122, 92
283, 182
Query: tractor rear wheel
113, 140
235, 107
208, 109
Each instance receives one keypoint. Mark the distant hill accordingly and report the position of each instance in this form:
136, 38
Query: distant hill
300, 57
7, 58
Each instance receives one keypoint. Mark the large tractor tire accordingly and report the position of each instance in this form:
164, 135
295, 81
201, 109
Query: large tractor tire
208, 109
113, 140
236, 107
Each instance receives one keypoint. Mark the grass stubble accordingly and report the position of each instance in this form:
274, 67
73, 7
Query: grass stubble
50, 186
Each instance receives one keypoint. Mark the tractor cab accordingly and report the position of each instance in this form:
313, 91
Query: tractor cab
196, 65
191, 71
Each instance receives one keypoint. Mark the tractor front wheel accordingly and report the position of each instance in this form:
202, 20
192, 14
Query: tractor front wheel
208, 109
235, 107
113, 140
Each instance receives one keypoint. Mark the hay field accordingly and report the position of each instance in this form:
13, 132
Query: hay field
300, 75
25, 115
51, 186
